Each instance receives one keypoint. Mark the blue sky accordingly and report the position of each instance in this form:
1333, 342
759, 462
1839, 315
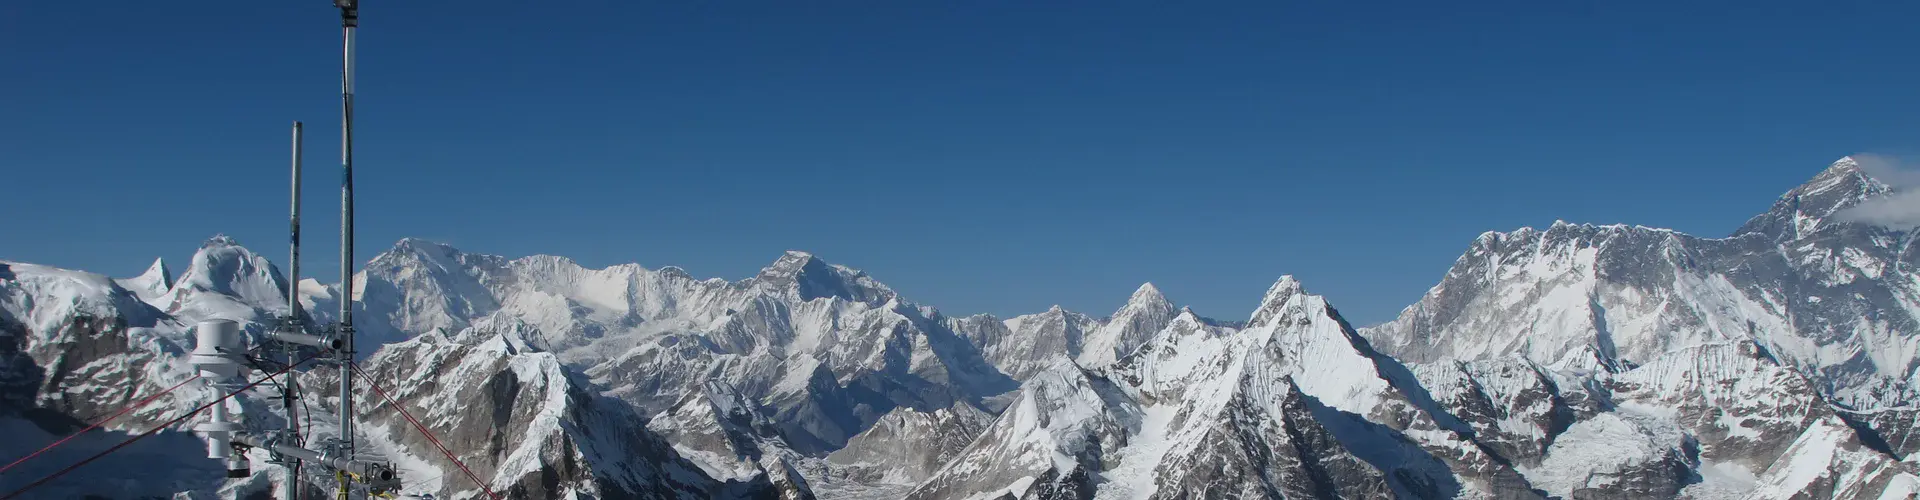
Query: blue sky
989, 156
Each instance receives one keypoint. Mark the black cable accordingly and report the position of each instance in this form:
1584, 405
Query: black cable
284, 392
292, 392
258, 366
307, 412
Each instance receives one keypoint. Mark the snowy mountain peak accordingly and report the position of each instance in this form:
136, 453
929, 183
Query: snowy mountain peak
1277, 296
1806, 208
1025, 344
158, 273
1145, 300
422, 245
791, 263
512, 335
420, 250
1844, 176
812, 278
1845, 162
1146, 312
152, 283
1147, 294
1846, 165
225, 280
1597, 360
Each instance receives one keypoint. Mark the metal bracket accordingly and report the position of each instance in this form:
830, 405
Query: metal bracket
349, 12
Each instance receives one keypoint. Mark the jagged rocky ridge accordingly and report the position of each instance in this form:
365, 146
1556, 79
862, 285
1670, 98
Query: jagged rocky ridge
1575, 362
1836, 300
526, 425
76, 347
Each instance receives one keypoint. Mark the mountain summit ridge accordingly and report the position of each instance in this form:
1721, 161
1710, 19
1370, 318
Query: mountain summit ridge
1576, 360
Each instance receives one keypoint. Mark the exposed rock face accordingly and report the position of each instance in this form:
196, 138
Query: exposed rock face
725, 431
1514, 407
150, 285
1824, 295
1050, 443
1297, 404
1279, 408
85, 345
20, 376
907, 445
1800, 280
540, 433
1829, 462
1027, 344
1573, 362
1261, 448
827, 348
730, 437
1145, 314
77, 347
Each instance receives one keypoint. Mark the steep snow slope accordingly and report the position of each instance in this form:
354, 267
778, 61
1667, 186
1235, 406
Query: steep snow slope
1835, 299
1368, 402
227, 281
1146, 312
906, 446
540, 433
1050, 443
1029, 343
1297, 404
730, 437
150, 285
75, 347
1026, 344
1577, 361
827, 348
1290, 405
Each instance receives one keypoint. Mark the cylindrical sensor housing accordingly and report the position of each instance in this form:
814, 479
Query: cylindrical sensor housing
219, 351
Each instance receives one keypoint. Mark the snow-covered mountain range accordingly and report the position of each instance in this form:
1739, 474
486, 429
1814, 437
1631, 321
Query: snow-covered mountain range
1577, 361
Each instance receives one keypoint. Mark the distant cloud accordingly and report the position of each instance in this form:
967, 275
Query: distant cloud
1897, 210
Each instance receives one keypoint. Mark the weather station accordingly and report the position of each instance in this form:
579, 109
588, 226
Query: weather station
223, 358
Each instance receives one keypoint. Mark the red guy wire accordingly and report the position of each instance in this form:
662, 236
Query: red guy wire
96, 425
424, 431
149, 432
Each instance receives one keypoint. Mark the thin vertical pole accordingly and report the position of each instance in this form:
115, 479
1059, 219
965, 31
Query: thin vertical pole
292, 486
293, 226
349, 19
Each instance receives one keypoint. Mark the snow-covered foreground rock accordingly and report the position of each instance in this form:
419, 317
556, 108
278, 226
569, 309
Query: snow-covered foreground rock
1573, 362
76, 347
525, 425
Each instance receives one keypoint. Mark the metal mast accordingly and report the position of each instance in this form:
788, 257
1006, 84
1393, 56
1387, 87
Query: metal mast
293, 323
349, 20
293, 223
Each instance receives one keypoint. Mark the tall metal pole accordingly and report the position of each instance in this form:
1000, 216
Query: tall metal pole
293, 263
292, 486
349, 19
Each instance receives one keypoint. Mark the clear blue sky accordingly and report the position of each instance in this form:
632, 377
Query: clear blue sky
989, 156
